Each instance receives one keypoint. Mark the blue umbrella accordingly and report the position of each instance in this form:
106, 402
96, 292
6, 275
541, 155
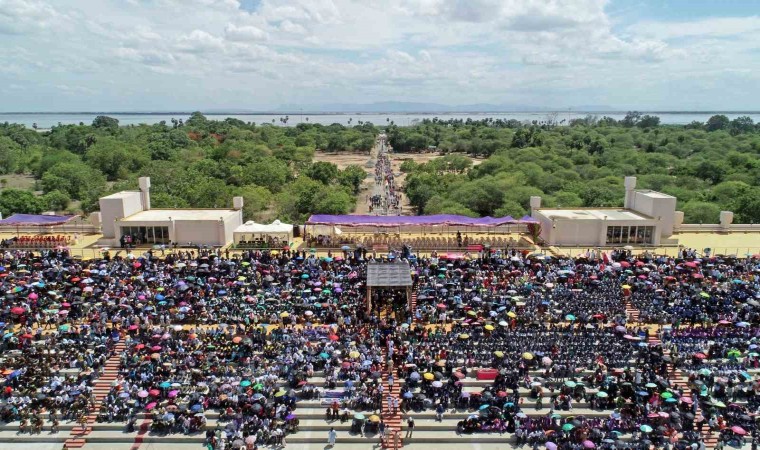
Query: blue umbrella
196, 408
407, 394
324, 355
165, 385
222, 292
160, 297
482, 407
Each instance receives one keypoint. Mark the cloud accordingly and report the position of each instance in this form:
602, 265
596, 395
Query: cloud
25, 16
543, 52
246, 33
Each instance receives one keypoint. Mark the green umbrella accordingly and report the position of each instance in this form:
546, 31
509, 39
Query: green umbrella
258, 386
705, 372
734, 352
704, 294
650, 385
602, 394
646, 428
570, 317
245, 383
666, 394
568, 427
359, 416
570, 384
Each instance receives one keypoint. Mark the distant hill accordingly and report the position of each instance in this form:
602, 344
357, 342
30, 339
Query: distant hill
418, 107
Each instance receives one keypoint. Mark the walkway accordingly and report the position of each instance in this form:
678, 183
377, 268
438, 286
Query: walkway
100, 390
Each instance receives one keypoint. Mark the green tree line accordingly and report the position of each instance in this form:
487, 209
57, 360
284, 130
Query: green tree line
709, 166
196, 163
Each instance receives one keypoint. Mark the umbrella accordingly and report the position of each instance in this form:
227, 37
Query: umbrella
602, 394
646, 428
359, 416
738, 430
568, 427
527, 355
429, 376
588, 444
551, 446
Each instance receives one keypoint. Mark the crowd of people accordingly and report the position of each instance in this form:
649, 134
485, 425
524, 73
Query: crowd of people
386, 198
247, 336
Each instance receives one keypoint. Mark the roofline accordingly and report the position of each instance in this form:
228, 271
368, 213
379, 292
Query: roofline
593, 209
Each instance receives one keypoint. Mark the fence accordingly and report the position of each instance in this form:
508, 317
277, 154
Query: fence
717, 228
740, 252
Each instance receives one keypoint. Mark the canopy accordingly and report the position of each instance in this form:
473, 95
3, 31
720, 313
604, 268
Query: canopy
35, 220
253, 228
395, 221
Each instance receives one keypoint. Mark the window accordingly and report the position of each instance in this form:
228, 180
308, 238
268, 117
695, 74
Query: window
146, 235
630, 235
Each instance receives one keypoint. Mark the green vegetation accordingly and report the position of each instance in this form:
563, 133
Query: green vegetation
709, 167
196, 163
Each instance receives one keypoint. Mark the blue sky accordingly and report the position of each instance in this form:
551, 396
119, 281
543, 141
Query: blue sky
126, 55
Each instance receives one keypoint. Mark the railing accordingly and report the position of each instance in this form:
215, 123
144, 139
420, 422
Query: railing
717, 228
740, 252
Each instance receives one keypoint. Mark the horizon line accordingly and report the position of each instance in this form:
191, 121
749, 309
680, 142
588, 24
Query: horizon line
426, 112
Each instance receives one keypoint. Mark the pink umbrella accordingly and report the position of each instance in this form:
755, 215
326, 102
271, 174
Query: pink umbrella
588, 444
154, 392
173, 393
738, 430
150, 406
17, 310
156, 348
142, 394
33, 296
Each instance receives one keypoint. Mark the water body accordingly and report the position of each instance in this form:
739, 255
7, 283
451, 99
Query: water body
47, 120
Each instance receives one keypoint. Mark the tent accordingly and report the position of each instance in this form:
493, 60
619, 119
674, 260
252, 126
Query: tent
35, 220
251, 231
396, 221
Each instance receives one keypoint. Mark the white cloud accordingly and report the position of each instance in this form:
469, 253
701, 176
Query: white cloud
246, 33
543, 52
23, 16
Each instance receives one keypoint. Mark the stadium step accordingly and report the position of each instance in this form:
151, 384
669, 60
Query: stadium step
79, 434
392, 420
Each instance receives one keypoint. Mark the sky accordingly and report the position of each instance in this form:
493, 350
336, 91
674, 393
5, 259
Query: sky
183, 55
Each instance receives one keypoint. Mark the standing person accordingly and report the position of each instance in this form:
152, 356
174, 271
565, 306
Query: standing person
381, 428
331, 436
409, 427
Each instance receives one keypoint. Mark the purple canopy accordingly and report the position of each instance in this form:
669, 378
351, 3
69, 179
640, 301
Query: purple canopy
395, 221
34, 219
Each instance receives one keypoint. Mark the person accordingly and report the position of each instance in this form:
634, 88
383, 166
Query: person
381, 430
439, 412
331, 436
409, 427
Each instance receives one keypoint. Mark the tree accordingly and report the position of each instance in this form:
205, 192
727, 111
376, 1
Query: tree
741, 125
648, 121
700, 212
255, 200
334, 201
75, 179
352, 177
17, 201
10, 155
105, 122
116, 159
56, 201
717, 122
323, 172
631, 119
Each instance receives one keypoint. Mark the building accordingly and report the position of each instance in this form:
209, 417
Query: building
129, 213
647, 218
